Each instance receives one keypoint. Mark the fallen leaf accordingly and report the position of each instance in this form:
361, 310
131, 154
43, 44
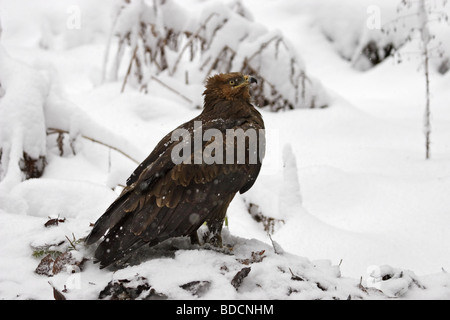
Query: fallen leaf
239, 277
256, 256
45, 267
54, 222
197, 288
57, 295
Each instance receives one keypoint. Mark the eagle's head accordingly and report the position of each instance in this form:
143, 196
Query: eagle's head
228, 86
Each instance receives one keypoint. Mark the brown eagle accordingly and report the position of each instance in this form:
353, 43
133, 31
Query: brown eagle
172, 195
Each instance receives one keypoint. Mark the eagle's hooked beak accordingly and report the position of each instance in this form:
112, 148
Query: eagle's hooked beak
250, 79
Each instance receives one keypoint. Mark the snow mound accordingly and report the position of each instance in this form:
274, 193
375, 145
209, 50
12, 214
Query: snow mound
22, 122
243, 269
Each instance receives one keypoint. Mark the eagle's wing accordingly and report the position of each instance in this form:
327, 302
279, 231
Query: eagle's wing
164, 200
115, 211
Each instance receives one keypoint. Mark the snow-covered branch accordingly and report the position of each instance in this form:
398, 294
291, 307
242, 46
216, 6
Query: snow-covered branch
220, 38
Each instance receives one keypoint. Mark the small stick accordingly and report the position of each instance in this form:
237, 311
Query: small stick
55, 130
129, 69
172, 89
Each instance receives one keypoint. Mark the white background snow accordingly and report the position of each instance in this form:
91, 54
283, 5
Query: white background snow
350, 182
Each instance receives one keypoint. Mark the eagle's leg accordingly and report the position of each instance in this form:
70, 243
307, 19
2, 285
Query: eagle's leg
216, 240
215, 223
194, 238
215, 233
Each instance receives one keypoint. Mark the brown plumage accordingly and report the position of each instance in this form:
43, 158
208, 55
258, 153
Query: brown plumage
163, 199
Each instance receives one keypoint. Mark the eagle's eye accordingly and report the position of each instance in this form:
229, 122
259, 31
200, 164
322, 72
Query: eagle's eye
232, 82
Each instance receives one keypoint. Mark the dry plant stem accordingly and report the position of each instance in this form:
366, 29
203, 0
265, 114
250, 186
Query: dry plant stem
425, 37
130, 65
108, 45
55, 130
152, 77
427, 109
153, 41
191, 39
172, 89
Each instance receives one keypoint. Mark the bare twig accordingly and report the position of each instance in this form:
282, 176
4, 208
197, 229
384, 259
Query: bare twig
276, 247
191, 39
133, 57
59, 131
171, 89
108, 43
264, 45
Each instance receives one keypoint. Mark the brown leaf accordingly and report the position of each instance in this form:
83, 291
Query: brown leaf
57, 295
122, 290
197, 288
45, 266
54, 222
61, 261
64, 260
239, 277
256, 256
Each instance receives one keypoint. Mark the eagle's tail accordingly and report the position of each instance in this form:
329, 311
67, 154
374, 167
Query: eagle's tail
116, 245
118, 242
112, 216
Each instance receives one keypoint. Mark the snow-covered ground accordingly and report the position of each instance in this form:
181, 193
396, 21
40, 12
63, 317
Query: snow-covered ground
348, 186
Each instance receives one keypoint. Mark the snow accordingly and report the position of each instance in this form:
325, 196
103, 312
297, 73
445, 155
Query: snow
347, 187
24, 95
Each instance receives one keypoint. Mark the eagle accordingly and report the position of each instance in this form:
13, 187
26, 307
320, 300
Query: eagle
190, 177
